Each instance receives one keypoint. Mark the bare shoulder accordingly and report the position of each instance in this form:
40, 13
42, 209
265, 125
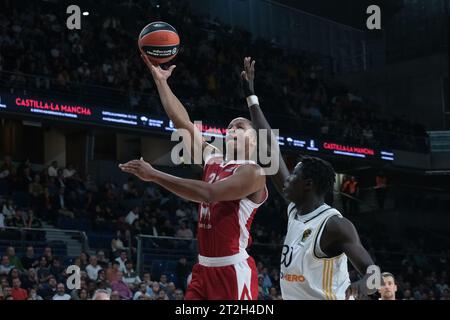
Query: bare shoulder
251, 170
339, 227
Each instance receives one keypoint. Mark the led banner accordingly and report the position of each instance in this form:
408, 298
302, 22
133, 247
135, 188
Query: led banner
81, 113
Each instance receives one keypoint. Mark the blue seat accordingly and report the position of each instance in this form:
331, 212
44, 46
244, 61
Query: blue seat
68, 261
21, 198
172, 277
172, 265
3, 187
158, 267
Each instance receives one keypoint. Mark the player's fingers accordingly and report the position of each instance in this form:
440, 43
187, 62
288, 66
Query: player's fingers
253, 65
131, 171
150, 62
146, 60
130, 166
244, 75
152, 67
128, 170
246, 63
348, 293
172, 68
124, 164
135, 165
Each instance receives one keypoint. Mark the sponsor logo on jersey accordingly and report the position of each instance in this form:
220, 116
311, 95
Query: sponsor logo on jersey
292, 277
205, 217
306, 234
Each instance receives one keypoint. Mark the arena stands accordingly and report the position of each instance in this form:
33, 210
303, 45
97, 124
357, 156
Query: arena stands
115, 217
298, 92
124, 234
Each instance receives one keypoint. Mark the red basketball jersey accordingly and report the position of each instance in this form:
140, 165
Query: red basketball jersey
224, 227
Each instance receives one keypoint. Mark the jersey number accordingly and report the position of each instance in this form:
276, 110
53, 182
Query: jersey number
204, 211
286, 255
212, 177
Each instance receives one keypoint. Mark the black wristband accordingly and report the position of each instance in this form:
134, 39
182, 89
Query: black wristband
246, 86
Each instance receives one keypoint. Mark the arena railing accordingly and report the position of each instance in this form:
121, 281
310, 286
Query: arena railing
20, 238
159, 250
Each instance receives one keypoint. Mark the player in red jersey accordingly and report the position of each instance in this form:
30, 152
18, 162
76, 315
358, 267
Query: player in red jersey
229, 194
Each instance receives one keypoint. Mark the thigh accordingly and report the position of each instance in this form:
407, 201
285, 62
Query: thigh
247, 280
196, 289
235, 282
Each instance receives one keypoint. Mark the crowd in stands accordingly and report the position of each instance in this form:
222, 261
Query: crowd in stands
53, 193
292, 88
45, 277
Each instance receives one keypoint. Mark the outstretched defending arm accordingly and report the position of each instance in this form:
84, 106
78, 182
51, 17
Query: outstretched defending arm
340, 236
176, 111
260, 122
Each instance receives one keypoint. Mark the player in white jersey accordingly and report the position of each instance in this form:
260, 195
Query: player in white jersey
319, 239
307, 272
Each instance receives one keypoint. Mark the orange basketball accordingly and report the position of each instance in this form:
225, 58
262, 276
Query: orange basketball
159, 41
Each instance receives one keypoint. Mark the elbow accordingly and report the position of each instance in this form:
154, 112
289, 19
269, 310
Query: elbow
208, 195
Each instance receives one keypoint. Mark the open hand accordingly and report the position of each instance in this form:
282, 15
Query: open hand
158, 73
358, 290
248, 76
141, 169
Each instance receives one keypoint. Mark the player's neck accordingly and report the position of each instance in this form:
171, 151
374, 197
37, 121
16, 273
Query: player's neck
232, 157
309, 206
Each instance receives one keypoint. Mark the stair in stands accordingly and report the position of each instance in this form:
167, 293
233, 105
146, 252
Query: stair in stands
74, 247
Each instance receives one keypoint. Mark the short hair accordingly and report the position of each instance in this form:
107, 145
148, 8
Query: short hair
388, 274
244, 120
101, 294
321, 172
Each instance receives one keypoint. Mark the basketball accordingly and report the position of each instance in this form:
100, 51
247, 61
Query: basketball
159, 41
